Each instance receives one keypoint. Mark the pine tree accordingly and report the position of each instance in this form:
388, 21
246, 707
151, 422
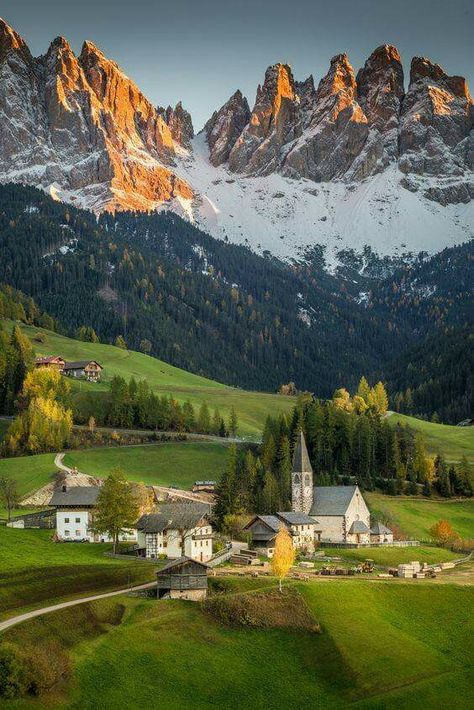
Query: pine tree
204, 419
233, 422
283, 472
227, 494
363, 390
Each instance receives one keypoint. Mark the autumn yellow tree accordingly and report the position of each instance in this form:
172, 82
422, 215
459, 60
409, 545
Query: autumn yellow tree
442, 532
342, 400
284, 555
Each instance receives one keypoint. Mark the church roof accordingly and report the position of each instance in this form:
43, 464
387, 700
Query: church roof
358, 526
301, 462
331, 500
379, 529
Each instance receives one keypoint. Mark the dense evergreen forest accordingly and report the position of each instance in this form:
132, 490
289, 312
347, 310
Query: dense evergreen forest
220, 310
435, 380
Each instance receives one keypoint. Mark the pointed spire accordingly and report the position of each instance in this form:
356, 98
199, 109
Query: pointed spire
301, 462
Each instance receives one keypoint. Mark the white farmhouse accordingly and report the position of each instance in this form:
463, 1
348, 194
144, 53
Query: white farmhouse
176, 530
74, 514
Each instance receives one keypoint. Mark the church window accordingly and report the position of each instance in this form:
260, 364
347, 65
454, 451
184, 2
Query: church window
307, 480
296, 479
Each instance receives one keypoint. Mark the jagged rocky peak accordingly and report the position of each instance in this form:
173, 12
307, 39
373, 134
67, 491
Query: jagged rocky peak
436, 124
336, 131
380, 88
274, 121
180, 123
10, 41
225, 126
340, 78
307, 98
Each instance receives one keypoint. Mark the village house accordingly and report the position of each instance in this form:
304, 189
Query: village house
53, 362
75, 512
263, 530
176, 530
184, 578
84, 369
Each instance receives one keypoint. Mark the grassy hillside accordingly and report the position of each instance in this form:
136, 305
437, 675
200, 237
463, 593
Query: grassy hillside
170, 464
36, 571
415, 516
381, 645
252, 407
451, 441
394, 556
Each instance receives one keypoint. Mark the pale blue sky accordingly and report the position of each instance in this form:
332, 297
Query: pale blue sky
201, 52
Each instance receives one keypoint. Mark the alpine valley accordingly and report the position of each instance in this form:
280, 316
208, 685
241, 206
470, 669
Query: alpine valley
332, 217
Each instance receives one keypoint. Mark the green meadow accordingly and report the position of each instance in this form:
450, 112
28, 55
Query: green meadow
35, 571
252, 407
393, 556
451, 441
415, 516
170, 464
380, 645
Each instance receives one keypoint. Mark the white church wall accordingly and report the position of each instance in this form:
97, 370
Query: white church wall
357, 510
332, 528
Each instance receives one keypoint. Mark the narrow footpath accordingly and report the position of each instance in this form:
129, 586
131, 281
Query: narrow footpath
4, 625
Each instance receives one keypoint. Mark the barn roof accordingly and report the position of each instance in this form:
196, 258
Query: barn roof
358, 527
173, 515
379, 529
301, 462
76, 495
179, 563
331, 500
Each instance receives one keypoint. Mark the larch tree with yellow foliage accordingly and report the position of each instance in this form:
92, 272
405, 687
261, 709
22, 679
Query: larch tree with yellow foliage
284, 555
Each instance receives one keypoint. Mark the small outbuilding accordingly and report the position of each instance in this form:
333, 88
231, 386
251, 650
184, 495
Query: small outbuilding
380, 533
182, 579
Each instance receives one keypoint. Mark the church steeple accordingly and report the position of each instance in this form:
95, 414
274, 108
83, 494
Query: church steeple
301, 478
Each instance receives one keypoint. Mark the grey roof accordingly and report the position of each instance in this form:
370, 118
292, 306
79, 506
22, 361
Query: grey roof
173, 515
79, 364
76, 495
358, 526
179, 562
297, 518
379, 529
301, 462
270, 521
331, 500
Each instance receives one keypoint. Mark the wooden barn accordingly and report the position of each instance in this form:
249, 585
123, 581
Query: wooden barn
182, 579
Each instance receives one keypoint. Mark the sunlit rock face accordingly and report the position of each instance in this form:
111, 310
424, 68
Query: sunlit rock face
80, 126
273, 123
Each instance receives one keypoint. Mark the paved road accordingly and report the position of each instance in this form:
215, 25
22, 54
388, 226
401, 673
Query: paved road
64, 605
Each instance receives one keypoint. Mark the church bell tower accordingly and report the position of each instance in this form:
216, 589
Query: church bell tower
301, 478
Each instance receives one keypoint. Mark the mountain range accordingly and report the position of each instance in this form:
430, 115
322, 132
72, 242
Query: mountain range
358, 159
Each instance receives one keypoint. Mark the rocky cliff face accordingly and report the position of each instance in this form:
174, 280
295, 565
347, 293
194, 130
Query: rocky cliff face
351, 127
225, 126
79, 127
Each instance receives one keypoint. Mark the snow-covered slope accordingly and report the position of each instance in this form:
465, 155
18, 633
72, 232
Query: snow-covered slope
286, 216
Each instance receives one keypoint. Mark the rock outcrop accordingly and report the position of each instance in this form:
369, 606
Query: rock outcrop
274, 122
180, 123
436, 123
225, 126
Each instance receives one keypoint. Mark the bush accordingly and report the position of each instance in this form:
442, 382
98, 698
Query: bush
40, 337
32, 671
14, 675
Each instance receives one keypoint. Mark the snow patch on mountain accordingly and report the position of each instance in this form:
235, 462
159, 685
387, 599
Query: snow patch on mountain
286, 216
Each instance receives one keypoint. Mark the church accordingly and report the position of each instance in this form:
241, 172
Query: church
340, 512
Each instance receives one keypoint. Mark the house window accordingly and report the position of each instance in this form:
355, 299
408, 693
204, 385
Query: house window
78, 533
78, 520
66, 533
66, 520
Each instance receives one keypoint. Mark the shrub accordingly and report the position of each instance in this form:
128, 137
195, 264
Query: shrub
48, 664
14, 675
40, 337
443, 533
